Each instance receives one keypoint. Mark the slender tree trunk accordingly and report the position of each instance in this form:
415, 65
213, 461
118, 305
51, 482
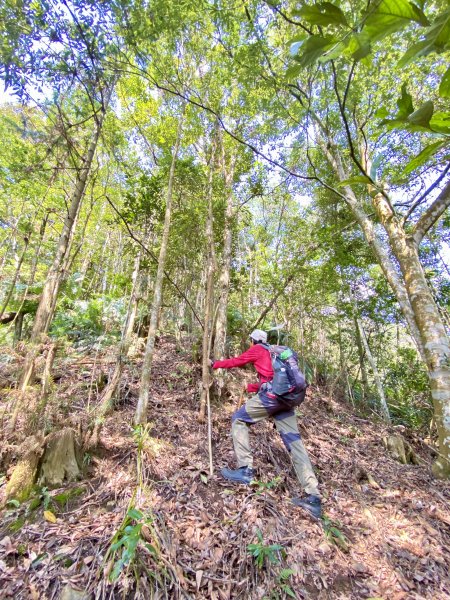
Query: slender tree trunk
18, 321
376, 375
108, 393
209, 296
141, 408
362, 364
18, 324
376, 244
224, 278
15, 277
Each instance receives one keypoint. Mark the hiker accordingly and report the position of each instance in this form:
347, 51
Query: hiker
261, 406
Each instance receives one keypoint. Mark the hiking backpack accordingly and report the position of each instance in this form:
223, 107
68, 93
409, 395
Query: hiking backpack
288, 383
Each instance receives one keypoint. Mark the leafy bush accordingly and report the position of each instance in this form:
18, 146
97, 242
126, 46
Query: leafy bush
88, 321
407, 390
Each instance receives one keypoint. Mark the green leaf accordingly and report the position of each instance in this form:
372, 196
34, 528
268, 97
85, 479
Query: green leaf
334, 52
439, 32
422, 115
423, 156
134, 513
285, 574
392, 15
444, 87
297, 38
151, 549
416, 50
293, 71
324, 13
381, 113
405, 104
358, 46
436, 39
440, 122
315, 47
353, 180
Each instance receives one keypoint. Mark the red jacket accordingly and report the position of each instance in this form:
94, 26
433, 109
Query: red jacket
257, 355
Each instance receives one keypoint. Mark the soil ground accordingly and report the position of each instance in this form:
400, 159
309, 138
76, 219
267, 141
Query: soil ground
385, 534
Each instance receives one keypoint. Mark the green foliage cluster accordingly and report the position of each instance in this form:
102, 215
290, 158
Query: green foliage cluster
123, 549
96, 320
263, 552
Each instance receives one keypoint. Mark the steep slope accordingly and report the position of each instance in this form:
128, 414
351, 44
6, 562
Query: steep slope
385, 533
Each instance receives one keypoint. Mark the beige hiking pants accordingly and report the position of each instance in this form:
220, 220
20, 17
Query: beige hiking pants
260, 407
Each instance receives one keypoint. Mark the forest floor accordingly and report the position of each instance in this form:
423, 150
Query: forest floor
385, 534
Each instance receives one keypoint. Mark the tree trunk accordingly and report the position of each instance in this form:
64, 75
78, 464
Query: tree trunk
44, 314
362, 364
224, 279
18, 325
376, 244
14, 280
108, 393
376, 375
141, 408
434, 336
209, 296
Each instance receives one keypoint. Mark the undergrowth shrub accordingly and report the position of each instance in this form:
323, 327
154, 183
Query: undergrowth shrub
97, 320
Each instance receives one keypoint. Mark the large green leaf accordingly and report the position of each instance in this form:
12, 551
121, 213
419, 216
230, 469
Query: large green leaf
423, 156
356, 179
422, 115
358, 46
415, 51
436, 39
314, 47
387, 16
444, 88
439, 32
293, 71
440, 122
323, 13
405, 104
335, 51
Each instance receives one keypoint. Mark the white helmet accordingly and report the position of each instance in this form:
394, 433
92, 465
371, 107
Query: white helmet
258, 335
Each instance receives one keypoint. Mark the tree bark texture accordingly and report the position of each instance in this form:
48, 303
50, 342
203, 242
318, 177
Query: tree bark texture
434, 336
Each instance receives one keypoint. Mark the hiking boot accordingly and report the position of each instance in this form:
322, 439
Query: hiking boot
242, 475
310, 503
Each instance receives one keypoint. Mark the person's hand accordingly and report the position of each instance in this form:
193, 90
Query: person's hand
210, 362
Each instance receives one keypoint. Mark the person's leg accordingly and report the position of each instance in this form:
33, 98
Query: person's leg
252, 412
286, 424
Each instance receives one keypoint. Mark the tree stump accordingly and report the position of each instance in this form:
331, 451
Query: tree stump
60, 462
25, 472
399, 449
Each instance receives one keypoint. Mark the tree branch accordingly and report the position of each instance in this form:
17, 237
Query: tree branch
154, 258
432, 214
425, 194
